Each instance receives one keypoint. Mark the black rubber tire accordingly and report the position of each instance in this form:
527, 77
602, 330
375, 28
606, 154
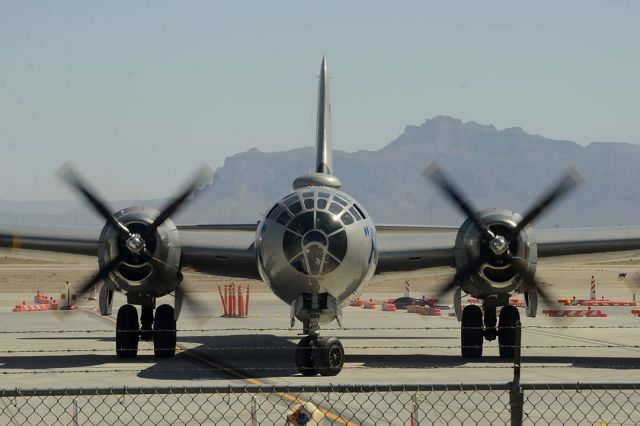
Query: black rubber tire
471, 333
305, 357
127, 332
164, 332
509, 315
329, 356
146, 323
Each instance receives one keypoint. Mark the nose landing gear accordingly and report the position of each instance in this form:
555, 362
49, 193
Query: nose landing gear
319, 355
315, 354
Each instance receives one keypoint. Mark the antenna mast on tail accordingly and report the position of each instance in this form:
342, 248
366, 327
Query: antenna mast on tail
323, 175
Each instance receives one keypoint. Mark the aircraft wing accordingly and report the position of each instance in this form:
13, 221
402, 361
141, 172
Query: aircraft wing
226, 250
401, 250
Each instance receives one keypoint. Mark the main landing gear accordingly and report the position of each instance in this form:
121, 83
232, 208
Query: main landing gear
475, 329
160, 327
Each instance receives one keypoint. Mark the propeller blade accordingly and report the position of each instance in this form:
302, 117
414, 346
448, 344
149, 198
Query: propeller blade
202, 177
435, 174
67, 173
567, 183
461, 276
529, 277
102, 274
201, 312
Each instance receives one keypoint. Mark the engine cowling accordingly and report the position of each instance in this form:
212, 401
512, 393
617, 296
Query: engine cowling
137, 273
496, 276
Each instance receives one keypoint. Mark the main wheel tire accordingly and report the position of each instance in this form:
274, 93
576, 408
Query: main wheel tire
164, 332
305, 357
509, 315
329, 356
471, 333
127, 332
146, 323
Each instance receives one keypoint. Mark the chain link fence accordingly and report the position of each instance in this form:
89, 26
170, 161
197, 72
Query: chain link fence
578, 403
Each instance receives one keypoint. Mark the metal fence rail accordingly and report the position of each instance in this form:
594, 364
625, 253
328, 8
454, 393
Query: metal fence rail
577, 403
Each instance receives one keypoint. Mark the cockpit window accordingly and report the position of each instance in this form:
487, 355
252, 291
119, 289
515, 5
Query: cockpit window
346, 218
283, 218
308, 203
271, 210
335, 208
307, 194
290, 199
327, 223
323, 195
340, 200
355, 213
302, 224
295, 208
360, 211
315, 242
322, 203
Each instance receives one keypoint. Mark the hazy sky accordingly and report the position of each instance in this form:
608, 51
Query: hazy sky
137, 94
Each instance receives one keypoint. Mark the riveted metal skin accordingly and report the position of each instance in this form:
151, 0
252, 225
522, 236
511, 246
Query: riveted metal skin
310, 243
493, 277
135, 274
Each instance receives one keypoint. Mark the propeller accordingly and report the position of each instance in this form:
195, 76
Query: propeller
499, 244
134, 242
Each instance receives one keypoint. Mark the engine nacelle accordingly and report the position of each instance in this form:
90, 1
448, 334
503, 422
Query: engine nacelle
496, 276
136, 274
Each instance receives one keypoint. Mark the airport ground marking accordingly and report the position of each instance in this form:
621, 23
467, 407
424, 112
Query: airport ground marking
207, 361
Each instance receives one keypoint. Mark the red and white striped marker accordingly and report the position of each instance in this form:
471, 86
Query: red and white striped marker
593, 288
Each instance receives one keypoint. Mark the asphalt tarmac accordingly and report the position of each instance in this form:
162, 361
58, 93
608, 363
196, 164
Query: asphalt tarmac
77, 348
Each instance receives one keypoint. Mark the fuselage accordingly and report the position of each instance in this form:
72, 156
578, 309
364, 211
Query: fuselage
316, 240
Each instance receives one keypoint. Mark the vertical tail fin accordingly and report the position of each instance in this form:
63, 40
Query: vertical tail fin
324, 160
323, 175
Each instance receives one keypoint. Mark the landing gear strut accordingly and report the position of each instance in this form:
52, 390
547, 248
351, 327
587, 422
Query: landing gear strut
161, 328
315, 354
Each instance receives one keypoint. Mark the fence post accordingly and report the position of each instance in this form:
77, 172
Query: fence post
516, 395
415, 416
254, 412
75, 420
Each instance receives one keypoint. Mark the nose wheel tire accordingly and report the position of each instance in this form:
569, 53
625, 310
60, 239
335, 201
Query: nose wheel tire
322, 355
471, 333
164, 332
509, 315
305, 356
329, 356
127, 330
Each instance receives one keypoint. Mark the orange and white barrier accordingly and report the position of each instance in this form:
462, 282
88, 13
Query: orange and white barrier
234, 302
358, 303
370, 304
575, 313
389, 306
597, 302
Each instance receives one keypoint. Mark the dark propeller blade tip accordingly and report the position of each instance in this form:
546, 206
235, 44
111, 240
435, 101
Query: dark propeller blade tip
575, 176
432, 169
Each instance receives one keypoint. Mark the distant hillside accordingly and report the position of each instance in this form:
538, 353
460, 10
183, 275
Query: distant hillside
497, 168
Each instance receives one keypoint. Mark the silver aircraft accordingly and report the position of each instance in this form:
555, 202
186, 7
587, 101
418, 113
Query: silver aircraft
317, 248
